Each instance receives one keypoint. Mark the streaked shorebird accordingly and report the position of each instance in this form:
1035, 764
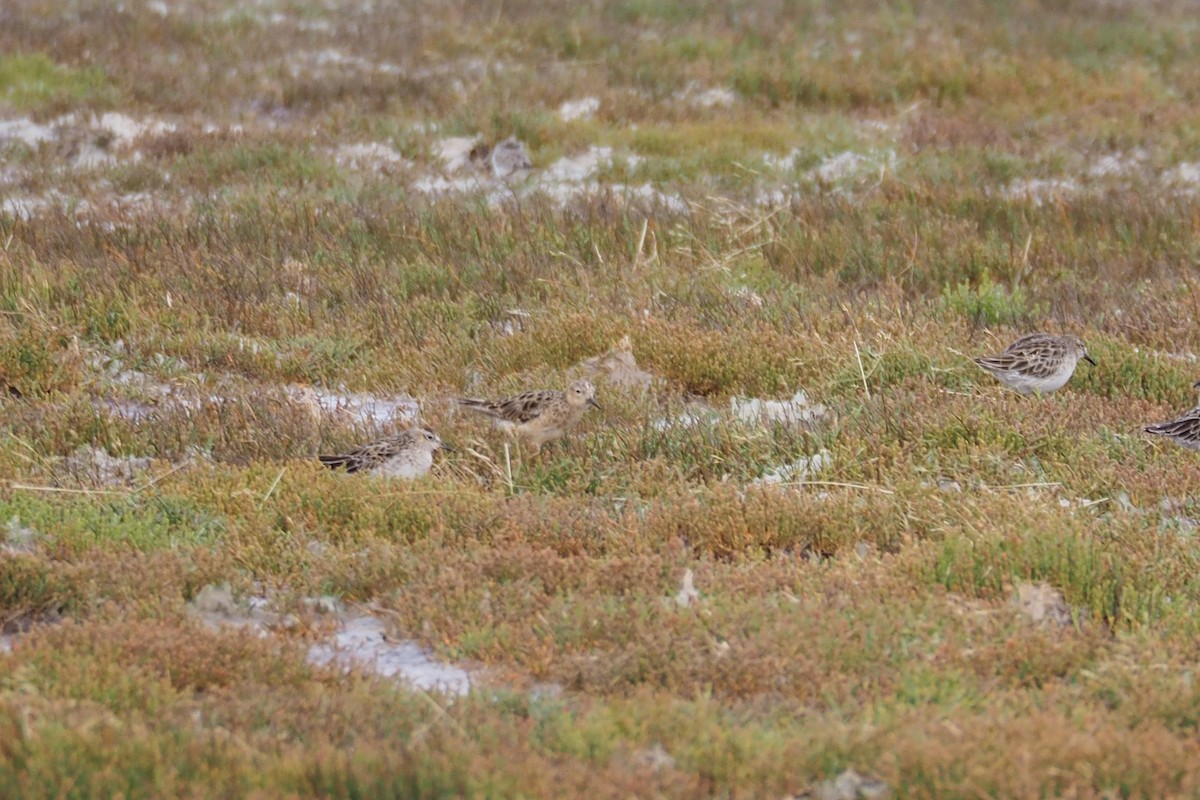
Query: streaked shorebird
541, 415
1037, 363
1183, 430
408, 454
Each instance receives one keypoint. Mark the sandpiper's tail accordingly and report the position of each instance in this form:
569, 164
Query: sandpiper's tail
337, 462
481, 406
1172, 428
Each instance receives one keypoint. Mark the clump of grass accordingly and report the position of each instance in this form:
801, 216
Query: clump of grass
37, 359
990, 304
31, 589
34, 82
87, 523
711, 362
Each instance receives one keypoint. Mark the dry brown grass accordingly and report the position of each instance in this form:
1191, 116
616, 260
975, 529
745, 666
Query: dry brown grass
168, 306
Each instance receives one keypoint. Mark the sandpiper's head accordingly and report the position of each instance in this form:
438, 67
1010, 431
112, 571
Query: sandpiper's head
1080, 349
582, 393
307, 398
430, 441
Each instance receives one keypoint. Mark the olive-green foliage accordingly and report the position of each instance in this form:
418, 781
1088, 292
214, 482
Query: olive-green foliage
34, 82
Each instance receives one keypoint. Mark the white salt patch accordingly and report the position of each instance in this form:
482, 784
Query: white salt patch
1116, 164
574, 169
877, 125
564, 191
1188, 356
455, 151
212, 128
368, 156
302, 63
145, 203
798, 470
651, 195
774, 197
142, 204
839, 166
158, 7
436, 185
6, 644
849, 164
716, 96
1186, 173
132, 410
315, 25
1039, 189
23, 208
685, 420
578, 109
713, 97
835, 168
362, 643
797, 410
27, 131
140, 381
97, 465
368, 408
333, 56
567, 178
18, 538
784, 163
126, 129
1080, 502
1184, 177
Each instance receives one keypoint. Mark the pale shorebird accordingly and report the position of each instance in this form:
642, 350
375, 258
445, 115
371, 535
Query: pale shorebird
541, 415
1037, 363
408, 454
509, 156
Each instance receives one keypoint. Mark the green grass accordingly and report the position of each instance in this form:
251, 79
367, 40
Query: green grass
34, 82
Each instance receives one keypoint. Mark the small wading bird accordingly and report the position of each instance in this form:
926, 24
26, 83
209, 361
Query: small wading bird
506, 158
1037, 363
408, 454
1184, 430
540, 415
